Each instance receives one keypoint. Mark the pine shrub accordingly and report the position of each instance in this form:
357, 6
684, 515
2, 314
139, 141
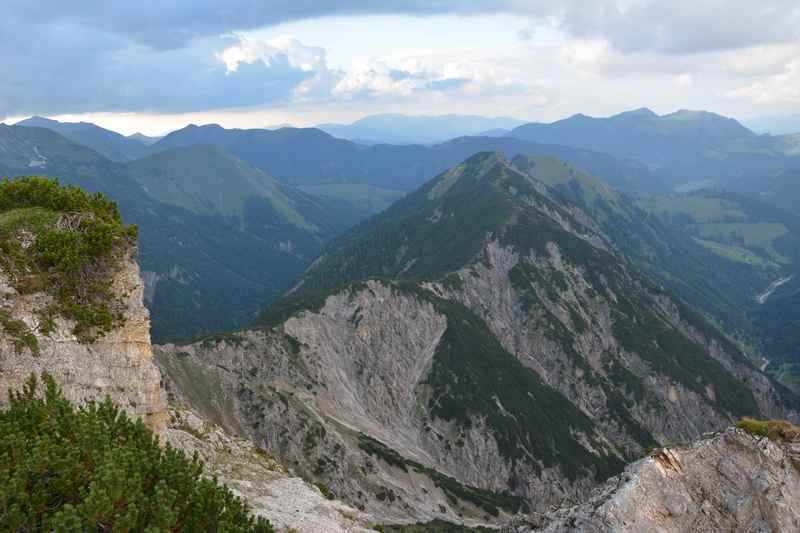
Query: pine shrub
67, 242
93, 469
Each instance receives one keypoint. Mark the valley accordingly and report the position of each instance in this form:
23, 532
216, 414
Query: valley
400, 267
476, 332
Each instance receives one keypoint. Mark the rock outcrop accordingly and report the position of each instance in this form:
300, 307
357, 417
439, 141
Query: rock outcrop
340, 396
732, 481
289, 502
118, 364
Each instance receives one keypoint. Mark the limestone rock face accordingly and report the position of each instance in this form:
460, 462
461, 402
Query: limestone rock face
119, 364
309, 392
268, 488
731, 481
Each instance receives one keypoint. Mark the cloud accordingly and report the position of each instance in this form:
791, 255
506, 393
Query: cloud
138, 78
409, 76
630, 25
189, 55
683, 26
779, 88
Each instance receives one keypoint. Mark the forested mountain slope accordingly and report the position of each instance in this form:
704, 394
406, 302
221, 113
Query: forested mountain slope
211, 252
311, 157
482, 338
685, 147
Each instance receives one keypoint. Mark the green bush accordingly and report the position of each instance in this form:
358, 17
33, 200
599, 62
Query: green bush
21, 336
776, 430
75, 241
93, 469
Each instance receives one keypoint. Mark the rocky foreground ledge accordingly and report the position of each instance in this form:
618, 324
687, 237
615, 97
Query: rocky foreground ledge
730, 481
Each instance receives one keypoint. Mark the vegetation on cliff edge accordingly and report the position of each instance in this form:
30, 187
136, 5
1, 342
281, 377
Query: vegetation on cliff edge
94, 469
61, 240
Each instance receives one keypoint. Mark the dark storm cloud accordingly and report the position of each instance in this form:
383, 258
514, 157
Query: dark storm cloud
85, 72
158, 55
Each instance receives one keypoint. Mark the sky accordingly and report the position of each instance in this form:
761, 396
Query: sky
154, 66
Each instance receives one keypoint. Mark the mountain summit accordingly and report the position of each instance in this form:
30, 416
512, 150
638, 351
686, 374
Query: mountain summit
482, 337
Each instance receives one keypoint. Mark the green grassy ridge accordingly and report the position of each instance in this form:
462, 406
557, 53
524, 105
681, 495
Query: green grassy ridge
471, 208
700, 209
68, 243
204, 179
581, 188
759, 236
436, 230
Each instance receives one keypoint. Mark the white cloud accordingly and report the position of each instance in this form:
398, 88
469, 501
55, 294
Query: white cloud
778, 88
684, 80
300, 56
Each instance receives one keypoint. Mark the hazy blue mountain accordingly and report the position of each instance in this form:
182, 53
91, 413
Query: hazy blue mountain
144, 139
781, 188
105, 142
309, 156
495, 132
682, 147
407, 129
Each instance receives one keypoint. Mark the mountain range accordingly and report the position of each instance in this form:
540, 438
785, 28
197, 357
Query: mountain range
395, 128
305, 157
463, 331
685, 148
298, 188
484, 338
212, 252
105, 142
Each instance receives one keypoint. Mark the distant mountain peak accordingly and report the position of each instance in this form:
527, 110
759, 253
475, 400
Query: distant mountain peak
396, 128
642, 112
105, 142
36, 120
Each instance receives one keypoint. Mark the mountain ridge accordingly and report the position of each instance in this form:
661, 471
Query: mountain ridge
435, 336
106, 142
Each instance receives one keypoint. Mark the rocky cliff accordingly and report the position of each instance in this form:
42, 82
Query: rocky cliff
731, 481
479, 350
118, 364
289, 502
340, 396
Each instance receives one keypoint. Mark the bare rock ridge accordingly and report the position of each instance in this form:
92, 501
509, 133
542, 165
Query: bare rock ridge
481, 349
290, 503
119, 364
731, 481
